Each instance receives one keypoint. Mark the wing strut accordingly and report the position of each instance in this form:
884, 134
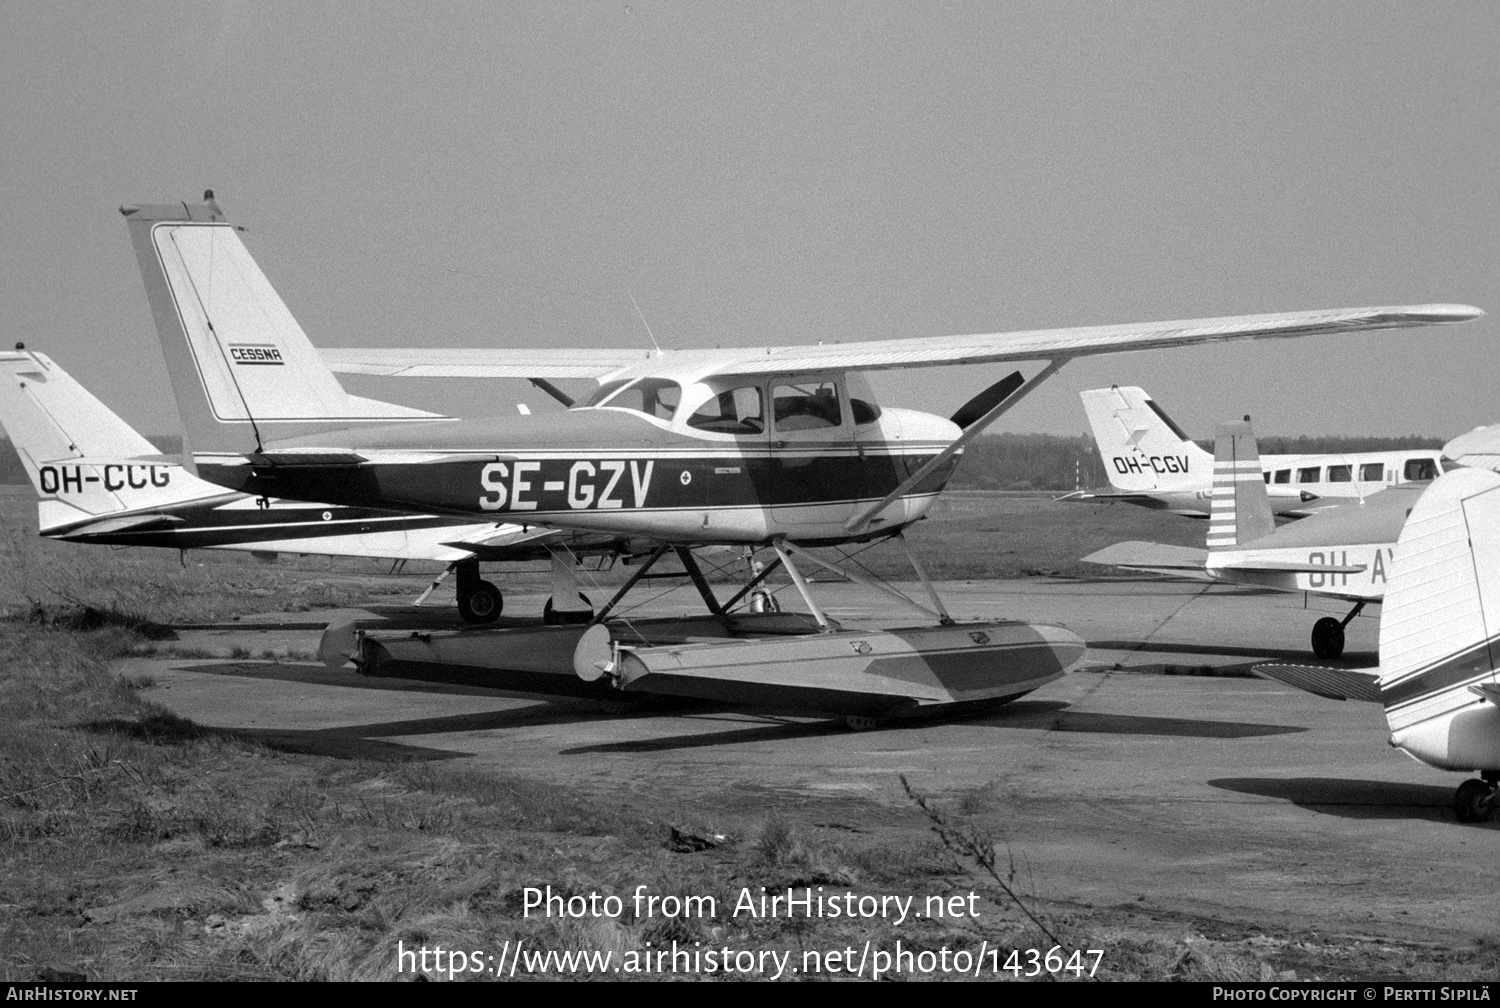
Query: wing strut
864, 519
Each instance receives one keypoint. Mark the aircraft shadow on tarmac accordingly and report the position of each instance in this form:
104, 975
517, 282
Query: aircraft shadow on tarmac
1350, 798
1043, 715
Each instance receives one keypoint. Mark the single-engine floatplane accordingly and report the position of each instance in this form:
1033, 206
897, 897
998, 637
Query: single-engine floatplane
782, 448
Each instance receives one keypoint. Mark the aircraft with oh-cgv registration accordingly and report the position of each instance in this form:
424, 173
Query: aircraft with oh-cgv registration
1152, 463
781, 448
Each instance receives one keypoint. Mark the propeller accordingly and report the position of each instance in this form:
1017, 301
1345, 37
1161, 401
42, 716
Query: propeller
988, 399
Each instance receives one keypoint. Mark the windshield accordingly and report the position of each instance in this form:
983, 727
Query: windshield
656, 397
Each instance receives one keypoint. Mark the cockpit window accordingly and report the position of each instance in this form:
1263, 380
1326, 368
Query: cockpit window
806, 407
733, 411
599, 394
656, 397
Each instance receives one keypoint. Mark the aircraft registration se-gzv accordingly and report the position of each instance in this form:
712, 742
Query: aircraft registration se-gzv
1152, 463
1343, 552
1439, 672
57, 425
781, 447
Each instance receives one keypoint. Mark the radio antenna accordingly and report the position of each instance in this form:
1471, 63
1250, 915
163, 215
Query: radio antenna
640, 315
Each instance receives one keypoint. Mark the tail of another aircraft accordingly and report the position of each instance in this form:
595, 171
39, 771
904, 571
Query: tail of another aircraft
1440, 628
1142, 449
76, 452
1241, 510
242, 369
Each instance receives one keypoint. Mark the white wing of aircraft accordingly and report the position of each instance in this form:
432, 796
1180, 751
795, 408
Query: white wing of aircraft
1479, 448
1439, 673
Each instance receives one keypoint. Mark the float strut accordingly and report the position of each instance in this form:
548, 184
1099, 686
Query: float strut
916, 564
435, 582
797, 579
699, 581
609, 606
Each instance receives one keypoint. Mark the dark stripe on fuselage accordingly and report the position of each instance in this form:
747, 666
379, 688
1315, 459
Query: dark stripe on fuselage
204, 524
517, 488
1471, 664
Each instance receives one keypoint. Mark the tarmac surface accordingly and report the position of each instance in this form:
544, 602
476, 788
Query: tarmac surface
1151, 777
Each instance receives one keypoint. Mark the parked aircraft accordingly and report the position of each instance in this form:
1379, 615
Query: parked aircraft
1439, 672
1152, 463
57, 426
778, 447
1343, 552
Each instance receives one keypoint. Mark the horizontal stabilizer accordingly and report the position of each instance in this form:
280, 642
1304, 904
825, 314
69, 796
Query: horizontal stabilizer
326, 457
1081, 496
1291, 567
1334, 683
108, 526
1490, 691
1150, 556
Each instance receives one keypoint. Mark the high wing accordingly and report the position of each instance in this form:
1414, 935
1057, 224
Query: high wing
479, 363
874, 355
1333, 683
1479, 448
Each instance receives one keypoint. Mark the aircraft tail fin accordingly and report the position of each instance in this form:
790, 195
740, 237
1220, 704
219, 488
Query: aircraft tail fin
1140, 446
58, 428
1241, 510
1440, 625
241, 368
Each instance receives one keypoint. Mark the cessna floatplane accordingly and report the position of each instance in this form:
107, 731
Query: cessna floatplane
780, 448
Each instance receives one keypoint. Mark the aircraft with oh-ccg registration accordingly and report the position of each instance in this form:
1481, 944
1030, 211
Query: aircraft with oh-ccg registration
56, 426
1152, 463
778, 448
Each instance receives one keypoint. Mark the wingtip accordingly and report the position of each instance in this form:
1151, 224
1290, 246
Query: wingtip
1440, 313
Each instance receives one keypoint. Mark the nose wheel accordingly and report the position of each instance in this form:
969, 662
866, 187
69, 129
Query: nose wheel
1474, 801
1328, 633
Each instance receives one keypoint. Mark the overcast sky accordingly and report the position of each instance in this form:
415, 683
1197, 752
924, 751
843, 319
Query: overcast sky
510, 174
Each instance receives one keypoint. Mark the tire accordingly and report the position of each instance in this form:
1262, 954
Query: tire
1466, 801
553, 617
481, 605
1328, 638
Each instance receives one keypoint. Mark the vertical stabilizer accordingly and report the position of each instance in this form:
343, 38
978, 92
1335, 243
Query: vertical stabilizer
1440, 623
1241, 510
76, 452
241, 368
1140, 446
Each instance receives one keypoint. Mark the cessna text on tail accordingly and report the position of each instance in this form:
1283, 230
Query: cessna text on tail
1151, 462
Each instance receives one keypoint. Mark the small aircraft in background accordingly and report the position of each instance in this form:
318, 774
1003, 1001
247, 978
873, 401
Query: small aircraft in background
1152, 463
1439, 672
782, 448
1344, 552
57, 426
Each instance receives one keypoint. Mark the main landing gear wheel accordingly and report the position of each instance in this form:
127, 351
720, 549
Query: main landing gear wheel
482, 603
1328, 638
1471, 802
563, 617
